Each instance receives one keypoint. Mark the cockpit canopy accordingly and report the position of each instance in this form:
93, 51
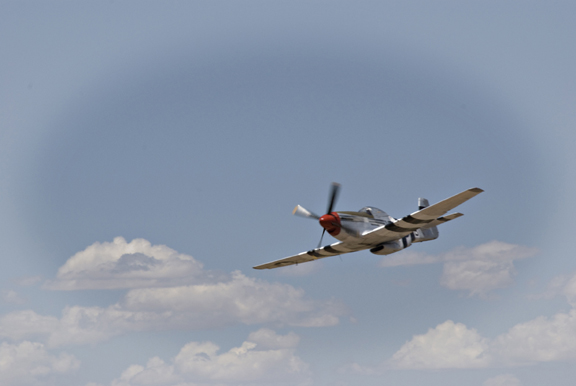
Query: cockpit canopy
375, 212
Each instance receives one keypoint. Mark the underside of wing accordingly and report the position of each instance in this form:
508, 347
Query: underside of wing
442, 220
311, 255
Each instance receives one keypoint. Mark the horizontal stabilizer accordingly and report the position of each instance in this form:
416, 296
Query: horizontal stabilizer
423, 217
442, 220
439, 209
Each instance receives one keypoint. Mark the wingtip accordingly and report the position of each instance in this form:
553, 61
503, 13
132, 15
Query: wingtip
295, 209
476, 190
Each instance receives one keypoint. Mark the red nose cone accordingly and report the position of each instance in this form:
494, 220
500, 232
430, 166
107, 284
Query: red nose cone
331, 222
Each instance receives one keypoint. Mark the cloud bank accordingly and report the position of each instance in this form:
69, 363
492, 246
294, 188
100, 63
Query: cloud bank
265, 357
156, 299
241, 300
455, 346
28, 363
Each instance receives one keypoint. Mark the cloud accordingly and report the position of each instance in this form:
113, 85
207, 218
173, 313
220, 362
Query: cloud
455, 346
478, 276
211, 301
266, 338
539, 340
78, 325
569, 290
503, 380
238, 300
478, 270
118, 264
265, 357
28, 363
449, 345
561, 285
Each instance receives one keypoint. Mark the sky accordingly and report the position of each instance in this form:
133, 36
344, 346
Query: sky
151, 154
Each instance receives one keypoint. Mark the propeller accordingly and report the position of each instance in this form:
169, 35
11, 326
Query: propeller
326, 220
335, 188
303, 212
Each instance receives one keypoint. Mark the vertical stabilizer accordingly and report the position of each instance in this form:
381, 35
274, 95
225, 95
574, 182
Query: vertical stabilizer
427, 234
423, 203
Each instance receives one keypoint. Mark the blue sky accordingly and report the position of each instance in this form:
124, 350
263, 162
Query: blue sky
152, 154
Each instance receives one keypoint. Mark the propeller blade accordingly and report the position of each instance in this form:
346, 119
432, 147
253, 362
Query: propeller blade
303, 212
321, 237
333, 196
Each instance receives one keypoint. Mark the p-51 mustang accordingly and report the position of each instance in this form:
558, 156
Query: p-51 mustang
372, 228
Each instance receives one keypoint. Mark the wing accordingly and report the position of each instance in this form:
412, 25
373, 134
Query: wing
424, 218
311, 255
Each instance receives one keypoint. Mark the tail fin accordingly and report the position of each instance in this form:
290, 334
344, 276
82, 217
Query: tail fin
423, 203
430, 233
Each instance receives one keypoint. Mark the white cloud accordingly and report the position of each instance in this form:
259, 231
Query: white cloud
478, 276
265, 357
266, 338
238, 300
503, 380
212, 301
539, 340
241, 299
27, 324
478, 270
569, 290
449, 345
561, 285
28, 363
78, 325
453, 345
118, 264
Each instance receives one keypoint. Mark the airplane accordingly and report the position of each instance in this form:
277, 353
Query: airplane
373, 229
